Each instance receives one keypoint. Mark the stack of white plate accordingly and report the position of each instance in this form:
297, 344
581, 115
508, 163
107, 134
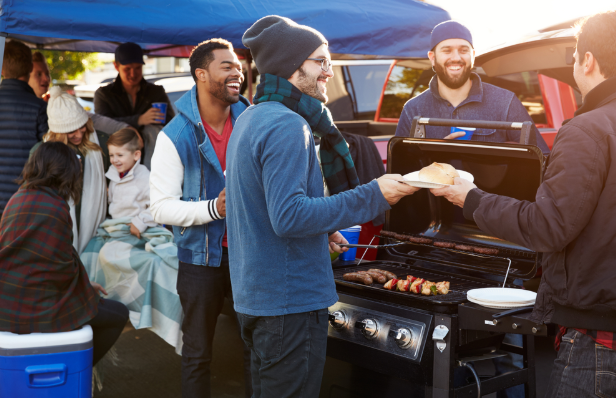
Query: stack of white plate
497, 297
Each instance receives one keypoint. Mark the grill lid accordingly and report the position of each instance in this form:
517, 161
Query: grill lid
505, 169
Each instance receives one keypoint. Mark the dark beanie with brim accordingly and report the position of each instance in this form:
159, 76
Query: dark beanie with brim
280, 46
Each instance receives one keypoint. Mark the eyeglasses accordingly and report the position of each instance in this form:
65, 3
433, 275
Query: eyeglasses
326, 64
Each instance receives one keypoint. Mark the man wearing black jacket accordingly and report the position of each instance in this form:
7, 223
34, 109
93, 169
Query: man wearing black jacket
130, 97
23, 115
572, 222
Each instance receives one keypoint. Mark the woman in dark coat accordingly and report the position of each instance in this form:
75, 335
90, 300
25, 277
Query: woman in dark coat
44, 287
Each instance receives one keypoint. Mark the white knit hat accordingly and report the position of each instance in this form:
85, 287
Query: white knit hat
64, 112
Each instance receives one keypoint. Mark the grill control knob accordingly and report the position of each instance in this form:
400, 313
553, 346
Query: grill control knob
369, 328
403, 337
338, 319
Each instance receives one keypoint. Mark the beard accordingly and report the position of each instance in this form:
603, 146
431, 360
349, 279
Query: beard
309, 85
219, 90
452, 82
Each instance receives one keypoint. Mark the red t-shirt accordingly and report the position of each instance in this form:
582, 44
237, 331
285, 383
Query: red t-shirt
220, 142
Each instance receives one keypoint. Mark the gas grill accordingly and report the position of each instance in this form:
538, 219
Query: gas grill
386, 343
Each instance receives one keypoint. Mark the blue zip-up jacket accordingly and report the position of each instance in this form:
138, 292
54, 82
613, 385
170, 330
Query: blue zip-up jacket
203, 179
484, 102
278, 217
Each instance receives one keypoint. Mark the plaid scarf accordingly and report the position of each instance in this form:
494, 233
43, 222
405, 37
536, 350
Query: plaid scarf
336, 162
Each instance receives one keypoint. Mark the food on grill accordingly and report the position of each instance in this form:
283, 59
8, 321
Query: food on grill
416, 285
388, 275
447, 245
387, 234
441, 173
391, 284
415, 239
377, 276
407, 238
442, 287
464, 247
485, 250
403, 286
428, 288
357, 277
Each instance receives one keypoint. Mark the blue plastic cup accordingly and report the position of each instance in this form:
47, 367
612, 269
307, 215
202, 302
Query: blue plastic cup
352, 236
467, 130
162, 107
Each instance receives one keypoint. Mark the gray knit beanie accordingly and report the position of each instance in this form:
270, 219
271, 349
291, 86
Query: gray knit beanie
280, 46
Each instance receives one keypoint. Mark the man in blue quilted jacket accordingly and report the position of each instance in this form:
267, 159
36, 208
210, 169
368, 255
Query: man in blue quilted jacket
23, 115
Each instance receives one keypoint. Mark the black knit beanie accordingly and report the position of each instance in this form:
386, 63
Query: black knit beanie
280, 46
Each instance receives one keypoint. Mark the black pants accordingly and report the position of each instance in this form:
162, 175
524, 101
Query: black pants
288, 353
202, 292
107, 326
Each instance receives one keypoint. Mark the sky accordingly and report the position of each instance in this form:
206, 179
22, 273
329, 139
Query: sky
493, 22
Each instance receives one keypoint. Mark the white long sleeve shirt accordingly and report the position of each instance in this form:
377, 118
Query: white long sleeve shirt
166, 181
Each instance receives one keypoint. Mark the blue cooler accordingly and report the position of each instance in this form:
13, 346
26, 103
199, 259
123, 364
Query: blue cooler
50, 365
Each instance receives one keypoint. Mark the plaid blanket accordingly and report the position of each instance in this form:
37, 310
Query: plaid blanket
338, 167
141, 273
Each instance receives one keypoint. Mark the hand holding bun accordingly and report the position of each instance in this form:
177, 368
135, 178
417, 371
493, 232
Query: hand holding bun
440, 173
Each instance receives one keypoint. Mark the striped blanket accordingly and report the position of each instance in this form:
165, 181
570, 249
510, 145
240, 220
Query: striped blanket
141, 273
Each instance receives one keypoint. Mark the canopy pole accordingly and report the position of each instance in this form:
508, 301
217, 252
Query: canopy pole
2, 42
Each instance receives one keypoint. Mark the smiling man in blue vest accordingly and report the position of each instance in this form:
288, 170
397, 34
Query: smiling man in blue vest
187, 191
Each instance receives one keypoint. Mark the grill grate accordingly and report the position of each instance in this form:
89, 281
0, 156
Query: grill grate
456, 295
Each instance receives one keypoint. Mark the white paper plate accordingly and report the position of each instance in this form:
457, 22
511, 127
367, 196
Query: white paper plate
413, 180
499, 306
501, 296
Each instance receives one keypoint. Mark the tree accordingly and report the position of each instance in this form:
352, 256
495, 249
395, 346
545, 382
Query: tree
67, 65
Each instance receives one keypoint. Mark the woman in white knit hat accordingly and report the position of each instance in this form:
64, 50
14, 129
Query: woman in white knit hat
70, 124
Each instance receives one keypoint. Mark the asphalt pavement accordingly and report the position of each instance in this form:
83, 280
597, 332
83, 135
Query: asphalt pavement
148, 367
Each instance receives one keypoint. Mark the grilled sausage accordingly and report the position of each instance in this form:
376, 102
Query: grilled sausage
420, 240
464, 247
388, 275
387, 234
447, 245
357, 277
485, 250
377, 276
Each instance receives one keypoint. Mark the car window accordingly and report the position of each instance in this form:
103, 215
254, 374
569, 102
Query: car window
365, 83
404, 83
525, 86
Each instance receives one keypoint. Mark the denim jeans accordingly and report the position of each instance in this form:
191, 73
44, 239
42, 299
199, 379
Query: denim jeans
582, 369
107, 326
202, 291
288, 353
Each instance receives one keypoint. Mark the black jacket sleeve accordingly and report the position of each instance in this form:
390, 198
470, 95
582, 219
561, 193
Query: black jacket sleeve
102, 106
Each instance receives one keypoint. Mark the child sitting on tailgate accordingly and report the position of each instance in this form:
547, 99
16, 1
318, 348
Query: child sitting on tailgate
129, 186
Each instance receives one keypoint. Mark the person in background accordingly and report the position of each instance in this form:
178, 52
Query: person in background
281, 226
457, 93
44, 287
570, 223
23, 115
40, 78
129, 181
187, 188
130, 97
69, 123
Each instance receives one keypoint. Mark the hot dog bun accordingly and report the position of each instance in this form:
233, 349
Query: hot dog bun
441, 173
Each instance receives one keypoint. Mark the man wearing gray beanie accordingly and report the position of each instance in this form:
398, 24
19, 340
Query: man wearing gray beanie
280, 222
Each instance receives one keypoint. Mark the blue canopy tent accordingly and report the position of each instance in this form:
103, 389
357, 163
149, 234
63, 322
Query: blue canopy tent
376, 29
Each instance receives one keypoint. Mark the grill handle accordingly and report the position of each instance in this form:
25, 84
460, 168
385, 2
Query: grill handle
418, 130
